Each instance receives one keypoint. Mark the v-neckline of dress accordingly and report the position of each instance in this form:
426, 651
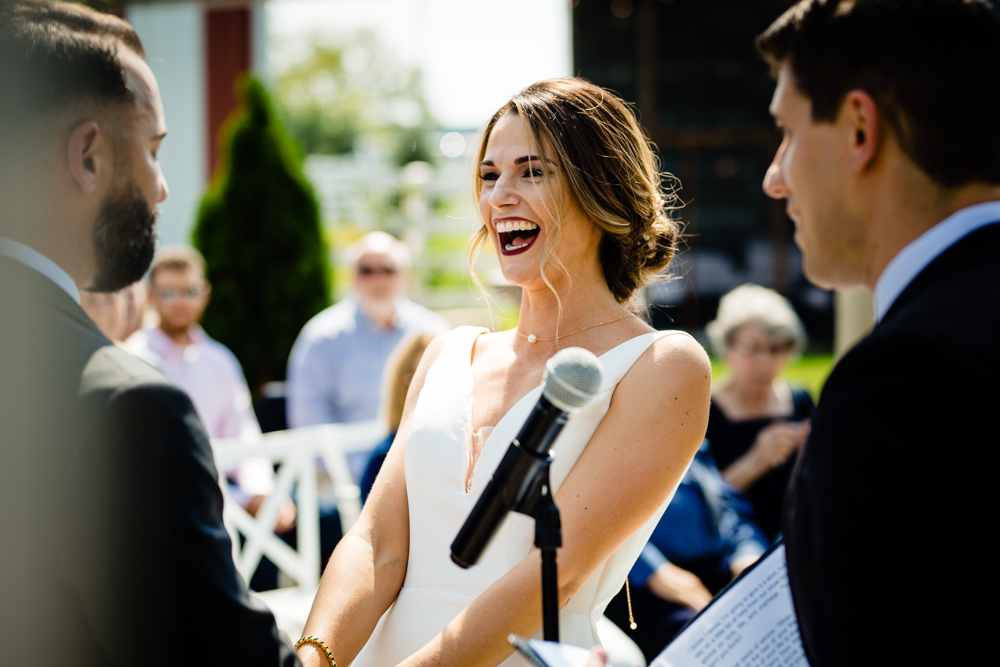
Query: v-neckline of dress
470, 479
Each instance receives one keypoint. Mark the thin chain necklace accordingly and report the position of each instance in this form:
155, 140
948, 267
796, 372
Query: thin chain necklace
532, 338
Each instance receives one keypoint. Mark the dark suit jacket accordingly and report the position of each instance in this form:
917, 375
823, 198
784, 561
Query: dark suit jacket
890, 511
112, 548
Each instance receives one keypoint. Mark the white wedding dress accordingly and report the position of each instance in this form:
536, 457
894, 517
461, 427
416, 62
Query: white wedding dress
436, 590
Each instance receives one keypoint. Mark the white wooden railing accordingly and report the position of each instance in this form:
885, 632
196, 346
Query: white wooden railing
296, 451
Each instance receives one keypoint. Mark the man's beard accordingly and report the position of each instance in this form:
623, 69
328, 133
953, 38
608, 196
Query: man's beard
124, 239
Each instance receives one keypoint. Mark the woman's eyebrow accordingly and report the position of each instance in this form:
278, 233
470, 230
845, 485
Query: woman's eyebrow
531, 158
520, 160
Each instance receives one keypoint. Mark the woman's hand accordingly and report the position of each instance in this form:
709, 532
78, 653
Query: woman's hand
774, 445
286, 513
677, 585
598, 657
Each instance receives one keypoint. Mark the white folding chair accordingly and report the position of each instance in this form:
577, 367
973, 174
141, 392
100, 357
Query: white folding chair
296, 452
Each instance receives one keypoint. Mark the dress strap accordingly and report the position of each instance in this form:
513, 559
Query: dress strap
617, 361
458, 349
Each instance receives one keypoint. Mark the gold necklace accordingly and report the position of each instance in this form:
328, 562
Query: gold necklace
532, 338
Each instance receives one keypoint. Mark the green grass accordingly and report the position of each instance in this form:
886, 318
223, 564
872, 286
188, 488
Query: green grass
809, 371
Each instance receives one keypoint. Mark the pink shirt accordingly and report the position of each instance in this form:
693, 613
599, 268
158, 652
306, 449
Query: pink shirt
210, 374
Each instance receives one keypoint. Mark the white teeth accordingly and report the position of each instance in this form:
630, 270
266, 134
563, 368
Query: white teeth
508, 226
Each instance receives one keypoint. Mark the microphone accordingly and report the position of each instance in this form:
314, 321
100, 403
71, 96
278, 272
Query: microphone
572, 377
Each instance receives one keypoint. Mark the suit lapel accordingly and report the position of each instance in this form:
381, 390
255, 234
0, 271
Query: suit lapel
979, 247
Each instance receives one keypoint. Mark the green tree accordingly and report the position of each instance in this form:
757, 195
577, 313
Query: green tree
259, 229
352, 87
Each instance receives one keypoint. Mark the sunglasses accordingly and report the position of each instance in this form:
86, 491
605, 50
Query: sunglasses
774, 349
376, 271
169, 294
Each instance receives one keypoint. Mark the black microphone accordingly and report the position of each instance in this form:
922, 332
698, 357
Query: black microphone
572, 377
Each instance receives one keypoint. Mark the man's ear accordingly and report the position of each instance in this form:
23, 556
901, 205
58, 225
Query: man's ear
863, 122
89, 156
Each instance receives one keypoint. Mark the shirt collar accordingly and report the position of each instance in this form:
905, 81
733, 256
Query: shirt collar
916, 256
164, 345
35, 260
398, 318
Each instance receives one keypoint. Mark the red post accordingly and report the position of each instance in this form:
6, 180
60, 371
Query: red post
227, 55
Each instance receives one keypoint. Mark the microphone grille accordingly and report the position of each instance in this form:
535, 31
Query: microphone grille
572, 378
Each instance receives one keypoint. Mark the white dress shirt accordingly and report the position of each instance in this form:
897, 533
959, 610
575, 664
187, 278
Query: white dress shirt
927, 247
35, 260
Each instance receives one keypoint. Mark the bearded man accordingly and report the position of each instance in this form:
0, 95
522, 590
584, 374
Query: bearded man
112, 548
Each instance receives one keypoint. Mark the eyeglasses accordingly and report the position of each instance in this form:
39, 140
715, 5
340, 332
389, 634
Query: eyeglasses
368, 271
774, 349
169, 294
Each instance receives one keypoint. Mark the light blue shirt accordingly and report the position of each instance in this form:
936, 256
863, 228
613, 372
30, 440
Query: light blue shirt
923, 250
336, 366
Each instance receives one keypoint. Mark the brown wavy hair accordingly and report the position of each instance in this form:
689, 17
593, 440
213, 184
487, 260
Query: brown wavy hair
399, 374
610, 170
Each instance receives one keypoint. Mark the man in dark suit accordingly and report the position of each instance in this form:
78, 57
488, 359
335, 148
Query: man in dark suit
890, 166
112, 548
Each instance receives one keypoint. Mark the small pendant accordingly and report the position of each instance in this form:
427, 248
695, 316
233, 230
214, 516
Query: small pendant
532, 338
633, 625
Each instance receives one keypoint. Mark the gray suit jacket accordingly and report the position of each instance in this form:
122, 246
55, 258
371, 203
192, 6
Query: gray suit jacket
112, 548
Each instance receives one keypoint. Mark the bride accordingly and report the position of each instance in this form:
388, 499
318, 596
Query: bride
570, 199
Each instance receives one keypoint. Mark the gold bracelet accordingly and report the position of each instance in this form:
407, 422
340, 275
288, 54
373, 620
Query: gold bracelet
316, 641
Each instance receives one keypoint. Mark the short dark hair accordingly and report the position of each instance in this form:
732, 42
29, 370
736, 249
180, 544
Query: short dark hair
54, 55
932, 67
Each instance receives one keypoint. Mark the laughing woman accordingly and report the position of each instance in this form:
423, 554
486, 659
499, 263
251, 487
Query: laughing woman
570, 198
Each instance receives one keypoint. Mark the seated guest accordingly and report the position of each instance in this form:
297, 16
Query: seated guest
204, 368
704, 539
336, 365
757, 421
402, 365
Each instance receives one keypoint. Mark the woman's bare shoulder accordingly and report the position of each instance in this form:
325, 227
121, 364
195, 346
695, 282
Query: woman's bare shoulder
678, 351
675, 362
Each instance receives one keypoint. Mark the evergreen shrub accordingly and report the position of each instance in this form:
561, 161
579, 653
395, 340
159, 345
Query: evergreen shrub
260, 231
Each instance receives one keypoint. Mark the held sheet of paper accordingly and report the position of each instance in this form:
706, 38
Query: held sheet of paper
752, 624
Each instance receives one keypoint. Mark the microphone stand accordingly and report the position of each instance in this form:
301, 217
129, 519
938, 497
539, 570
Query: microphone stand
538, 503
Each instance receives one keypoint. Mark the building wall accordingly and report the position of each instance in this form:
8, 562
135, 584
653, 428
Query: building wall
173, 35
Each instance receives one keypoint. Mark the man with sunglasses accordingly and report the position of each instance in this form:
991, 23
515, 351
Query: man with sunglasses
335, 369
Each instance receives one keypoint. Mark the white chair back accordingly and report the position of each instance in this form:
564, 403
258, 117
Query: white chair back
296, 451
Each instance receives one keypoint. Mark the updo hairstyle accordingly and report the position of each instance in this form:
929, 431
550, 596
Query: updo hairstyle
610, 170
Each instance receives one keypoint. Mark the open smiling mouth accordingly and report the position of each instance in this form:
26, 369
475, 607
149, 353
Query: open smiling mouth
516, 235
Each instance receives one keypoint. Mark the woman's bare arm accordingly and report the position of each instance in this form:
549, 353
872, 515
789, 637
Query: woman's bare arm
367, 568
653, 428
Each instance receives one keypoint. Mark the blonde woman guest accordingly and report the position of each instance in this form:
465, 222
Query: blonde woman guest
758, 422
571, 201
401, 368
